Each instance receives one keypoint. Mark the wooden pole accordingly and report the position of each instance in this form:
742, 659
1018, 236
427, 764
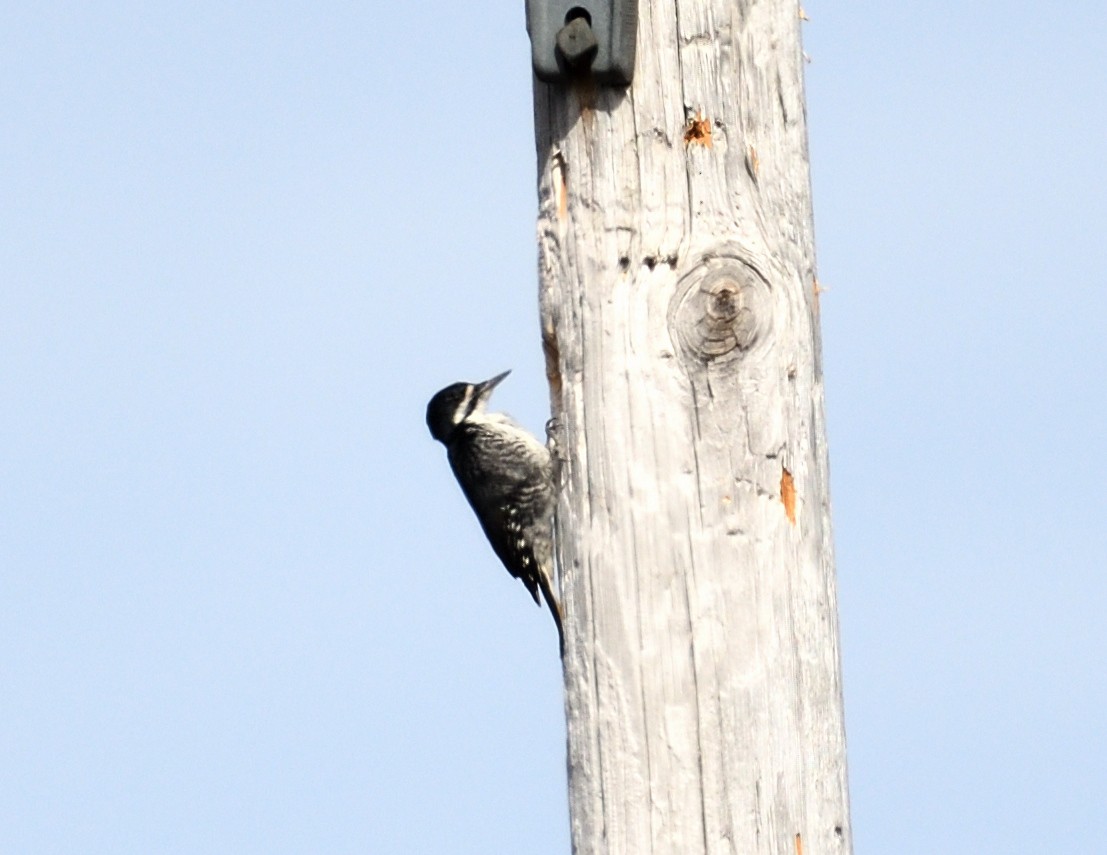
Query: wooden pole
680, 321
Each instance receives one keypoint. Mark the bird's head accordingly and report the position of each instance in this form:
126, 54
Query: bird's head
457, 402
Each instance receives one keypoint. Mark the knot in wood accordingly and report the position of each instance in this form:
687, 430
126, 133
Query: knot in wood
721, 309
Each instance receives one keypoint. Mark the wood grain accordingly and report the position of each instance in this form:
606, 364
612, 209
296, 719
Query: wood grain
680, 325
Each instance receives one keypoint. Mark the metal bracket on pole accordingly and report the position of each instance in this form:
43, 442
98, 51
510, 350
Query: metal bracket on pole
574, 38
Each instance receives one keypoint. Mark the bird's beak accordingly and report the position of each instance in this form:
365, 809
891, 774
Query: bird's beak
485, 389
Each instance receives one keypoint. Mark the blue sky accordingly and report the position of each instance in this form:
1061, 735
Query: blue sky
243, 607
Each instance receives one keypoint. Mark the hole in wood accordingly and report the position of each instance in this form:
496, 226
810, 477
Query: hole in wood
578, 12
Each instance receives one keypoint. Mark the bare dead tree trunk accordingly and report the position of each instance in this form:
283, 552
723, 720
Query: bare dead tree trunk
680, 320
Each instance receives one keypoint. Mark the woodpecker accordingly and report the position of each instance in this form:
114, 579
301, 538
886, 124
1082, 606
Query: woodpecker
508, 477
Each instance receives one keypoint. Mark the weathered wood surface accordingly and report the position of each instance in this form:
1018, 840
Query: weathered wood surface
680, 316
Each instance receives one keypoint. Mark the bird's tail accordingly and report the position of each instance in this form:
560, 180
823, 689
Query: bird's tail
545, 583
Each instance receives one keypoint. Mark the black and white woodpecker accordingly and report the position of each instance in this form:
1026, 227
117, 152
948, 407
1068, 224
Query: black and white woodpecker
508, 477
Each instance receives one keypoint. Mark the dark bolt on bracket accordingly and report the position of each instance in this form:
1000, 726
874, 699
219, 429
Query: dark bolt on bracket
576, 43
583, 37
